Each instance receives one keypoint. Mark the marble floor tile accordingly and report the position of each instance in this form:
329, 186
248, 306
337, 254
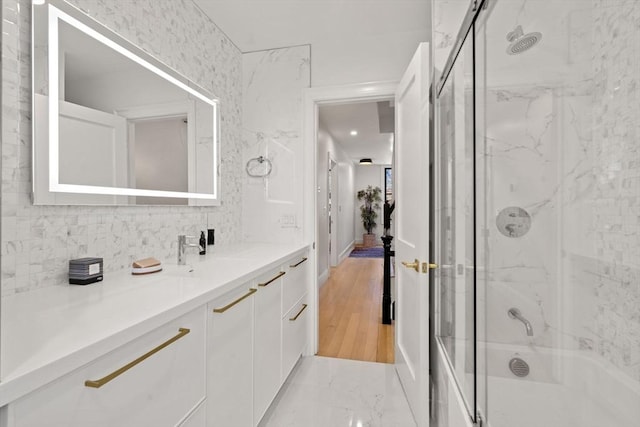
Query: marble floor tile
329, 392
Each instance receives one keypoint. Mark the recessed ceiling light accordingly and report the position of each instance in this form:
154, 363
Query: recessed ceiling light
354, 132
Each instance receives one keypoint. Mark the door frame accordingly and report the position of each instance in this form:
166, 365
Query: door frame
332, 212
312, 98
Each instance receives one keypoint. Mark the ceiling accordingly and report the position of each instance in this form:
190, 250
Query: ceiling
367, 118
267, 24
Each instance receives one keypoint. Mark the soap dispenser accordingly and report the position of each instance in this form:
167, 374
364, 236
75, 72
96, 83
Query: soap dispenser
203, 244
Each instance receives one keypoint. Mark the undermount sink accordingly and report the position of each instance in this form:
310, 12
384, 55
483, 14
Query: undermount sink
206, 268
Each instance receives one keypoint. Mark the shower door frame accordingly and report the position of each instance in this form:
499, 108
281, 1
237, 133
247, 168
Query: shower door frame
472, 408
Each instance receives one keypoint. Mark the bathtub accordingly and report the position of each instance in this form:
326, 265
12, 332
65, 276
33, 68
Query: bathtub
564, 388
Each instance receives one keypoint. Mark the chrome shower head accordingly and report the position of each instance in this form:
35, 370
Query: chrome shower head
520, 42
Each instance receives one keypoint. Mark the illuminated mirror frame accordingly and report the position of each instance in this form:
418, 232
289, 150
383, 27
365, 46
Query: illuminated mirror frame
54, 15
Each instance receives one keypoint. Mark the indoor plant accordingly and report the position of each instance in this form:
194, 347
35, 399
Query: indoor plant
368, 212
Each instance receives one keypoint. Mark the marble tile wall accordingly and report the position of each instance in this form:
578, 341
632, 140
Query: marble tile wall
615, 194
567, 151
521, 171
273, 83
38, 241
446, 20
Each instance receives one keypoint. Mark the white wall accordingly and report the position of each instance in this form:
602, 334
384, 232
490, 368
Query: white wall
344, 224
273, 83
366, 59
368, 175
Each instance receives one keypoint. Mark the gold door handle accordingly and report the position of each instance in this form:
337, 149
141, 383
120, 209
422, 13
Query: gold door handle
102, 381
415, 265
282, 273
231, 304
297, 264
428, 266
294, 318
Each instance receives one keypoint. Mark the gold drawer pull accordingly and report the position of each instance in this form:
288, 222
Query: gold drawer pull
295, 265
102, 381
293, 319
282, 273
231, 304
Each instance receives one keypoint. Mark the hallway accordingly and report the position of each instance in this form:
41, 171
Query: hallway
350, 313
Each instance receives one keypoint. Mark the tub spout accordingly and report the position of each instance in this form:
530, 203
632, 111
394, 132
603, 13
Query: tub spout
515, 313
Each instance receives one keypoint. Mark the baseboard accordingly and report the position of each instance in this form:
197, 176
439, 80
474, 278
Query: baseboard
345, 254
322, 278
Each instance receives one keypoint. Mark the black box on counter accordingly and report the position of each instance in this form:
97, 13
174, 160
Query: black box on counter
83, 271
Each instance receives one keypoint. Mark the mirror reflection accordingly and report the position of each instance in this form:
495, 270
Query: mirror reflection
127, 131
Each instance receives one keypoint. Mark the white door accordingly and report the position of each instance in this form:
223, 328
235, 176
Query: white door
412, 233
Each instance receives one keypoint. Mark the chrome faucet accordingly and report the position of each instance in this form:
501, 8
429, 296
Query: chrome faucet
515, 313
182, 248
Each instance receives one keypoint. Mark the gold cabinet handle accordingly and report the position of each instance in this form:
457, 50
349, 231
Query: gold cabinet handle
415, 265
293, 319
432, 266
231, 304
102, 381
282, 273
297, 264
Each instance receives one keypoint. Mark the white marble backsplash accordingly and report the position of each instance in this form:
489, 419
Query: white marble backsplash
38, 241
273, 83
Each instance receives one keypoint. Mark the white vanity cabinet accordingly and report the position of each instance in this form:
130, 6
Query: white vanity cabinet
268, 336
295, 313
215, 354
197, 418
123, 388
295, 324
230, 358
295, 281
249, 343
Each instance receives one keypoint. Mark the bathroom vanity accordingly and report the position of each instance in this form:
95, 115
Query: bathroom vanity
207, 343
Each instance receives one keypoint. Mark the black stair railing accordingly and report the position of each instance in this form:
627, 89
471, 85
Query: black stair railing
388, 253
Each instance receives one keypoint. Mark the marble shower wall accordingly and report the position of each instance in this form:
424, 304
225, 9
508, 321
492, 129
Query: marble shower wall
273, 83
521, 171
447, 19
566, 150
615, 193
38, 241
600, 206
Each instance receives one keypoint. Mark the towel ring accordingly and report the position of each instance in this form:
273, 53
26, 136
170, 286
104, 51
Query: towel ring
259, 160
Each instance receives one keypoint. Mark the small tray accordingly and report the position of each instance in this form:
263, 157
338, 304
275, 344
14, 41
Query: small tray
145, 270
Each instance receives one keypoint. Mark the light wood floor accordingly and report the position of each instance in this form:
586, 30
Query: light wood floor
350, 313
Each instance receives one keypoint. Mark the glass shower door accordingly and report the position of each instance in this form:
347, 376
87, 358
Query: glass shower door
455, 327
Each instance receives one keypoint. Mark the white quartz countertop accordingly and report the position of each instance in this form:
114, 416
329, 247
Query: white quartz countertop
49, 332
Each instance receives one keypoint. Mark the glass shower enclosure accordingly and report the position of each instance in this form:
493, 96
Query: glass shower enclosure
537, 311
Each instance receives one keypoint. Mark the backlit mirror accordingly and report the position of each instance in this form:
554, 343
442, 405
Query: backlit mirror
111, 124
